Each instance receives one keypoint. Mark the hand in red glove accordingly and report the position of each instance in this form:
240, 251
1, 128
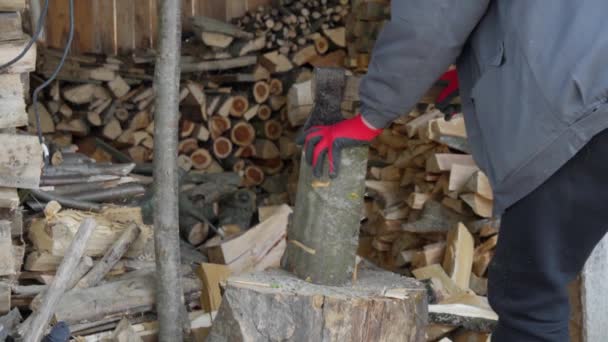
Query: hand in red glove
442, 102
330, 140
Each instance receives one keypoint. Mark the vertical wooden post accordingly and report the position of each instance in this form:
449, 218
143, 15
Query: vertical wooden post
166, 217
323, 236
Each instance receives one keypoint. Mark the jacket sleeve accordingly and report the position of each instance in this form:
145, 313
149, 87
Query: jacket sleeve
414, 48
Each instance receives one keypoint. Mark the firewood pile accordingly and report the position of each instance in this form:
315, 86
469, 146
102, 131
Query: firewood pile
362, 27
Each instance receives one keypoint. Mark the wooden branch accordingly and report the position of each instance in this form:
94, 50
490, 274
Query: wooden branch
119, 192
66, 201
34, 331
89, 169
112, 256
222, 64
166, 206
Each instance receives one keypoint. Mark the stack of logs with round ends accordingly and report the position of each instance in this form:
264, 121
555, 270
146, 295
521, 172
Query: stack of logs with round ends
380, 306
201, 159
242, 134
253, 175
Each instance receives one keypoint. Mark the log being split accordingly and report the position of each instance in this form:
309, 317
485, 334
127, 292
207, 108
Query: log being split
325, 218
34, 330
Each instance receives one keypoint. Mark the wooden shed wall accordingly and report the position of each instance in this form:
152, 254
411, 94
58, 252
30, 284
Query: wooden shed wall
121, 26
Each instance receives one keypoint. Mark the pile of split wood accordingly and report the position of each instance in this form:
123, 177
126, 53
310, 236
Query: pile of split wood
362, 27
429, 214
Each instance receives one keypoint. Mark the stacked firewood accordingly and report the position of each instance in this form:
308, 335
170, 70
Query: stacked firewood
363, 26
429, 214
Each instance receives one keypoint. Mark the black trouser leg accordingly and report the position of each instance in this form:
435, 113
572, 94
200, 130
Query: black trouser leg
544, 242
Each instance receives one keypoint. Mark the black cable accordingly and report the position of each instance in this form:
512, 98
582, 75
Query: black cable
66, 51
39, 28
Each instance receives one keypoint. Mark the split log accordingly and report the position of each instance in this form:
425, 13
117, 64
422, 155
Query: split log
184, 162
323, 220
479, 184
37, 326
53, 234
242, 134
404, 307
118, 87
441, 162
266, 149
434, 218
299, 103
251, 112
276, 62
276, 86
110, 258
458, 261
222, 147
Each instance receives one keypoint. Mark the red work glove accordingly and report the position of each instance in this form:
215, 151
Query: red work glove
442, 102
330, 140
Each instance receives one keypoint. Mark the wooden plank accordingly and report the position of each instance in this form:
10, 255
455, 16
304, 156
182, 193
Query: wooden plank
106, 26
143, 24
57, 23
125, 26
21, 162
12, 103
12, 5
212, 8
85, 15
10, 49
235, 8
10, 26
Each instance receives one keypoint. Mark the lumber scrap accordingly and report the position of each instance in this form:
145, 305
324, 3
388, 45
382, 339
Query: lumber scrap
211, 276
323, 239
276, 293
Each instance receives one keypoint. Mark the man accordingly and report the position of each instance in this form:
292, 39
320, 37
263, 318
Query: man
534, 85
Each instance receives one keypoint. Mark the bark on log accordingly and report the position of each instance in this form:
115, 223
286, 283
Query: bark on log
326, 219
166, 206
34, 330
300, 311
112, 256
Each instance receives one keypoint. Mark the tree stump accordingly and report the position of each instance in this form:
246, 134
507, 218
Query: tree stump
276, 306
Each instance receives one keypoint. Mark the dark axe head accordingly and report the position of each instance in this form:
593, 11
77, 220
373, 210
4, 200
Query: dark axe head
328, 88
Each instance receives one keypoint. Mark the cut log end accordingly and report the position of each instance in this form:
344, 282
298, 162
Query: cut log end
242, 134
254, 175
261, 92
222, 147
240, 104
264, 112
201, 159
276, 87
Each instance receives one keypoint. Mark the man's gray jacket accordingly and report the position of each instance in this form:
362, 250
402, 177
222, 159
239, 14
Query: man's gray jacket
533, 79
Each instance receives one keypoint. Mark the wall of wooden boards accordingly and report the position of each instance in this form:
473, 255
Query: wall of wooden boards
121, 26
